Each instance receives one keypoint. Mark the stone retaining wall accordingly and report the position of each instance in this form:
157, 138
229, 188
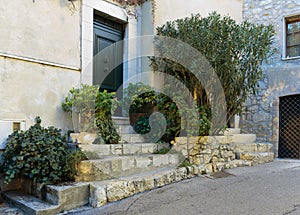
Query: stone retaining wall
210, 154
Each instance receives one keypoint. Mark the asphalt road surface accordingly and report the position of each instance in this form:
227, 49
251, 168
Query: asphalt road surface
272, 188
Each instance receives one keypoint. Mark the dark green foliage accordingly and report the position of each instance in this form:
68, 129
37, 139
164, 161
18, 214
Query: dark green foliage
38, 154
138, 98
81, 102
235, 51
104, 104
162, 151
72, 161
185, 163
142, 125
94, 108
162, 103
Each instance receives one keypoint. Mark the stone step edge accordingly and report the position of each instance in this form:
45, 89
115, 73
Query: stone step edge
109, 191
29, 204
122, 149
101, 192
253, 147
257, 157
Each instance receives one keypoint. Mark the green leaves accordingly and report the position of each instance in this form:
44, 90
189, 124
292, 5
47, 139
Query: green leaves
105, 104
94, 108
38, 153
235, 51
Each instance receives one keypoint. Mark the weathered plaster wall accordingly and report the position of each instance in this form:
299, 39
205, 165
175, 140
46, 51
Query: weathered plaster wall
281, 76
175, 9
43, 31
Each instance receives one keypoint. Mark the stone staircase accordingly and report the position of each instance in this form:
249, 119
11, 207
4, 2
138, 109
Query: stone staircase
114, 172
248, 149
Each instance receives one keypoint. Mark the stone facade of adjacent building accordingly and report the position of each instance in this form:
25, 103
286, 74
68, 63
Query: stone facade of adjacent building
281, 73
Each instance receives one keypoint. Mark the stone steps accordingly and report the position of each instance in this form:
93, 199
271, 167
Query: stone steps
253, 147
243, 138
118, 166
57, 199
120, 120
30, 205
113, 190
94, 151
257, 157
132, 138
60, 198
255, 152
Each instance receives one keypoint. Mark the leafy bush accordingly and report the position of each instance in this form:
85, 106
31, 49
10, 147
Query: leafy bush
142, 125
94, 109
165, 105
72, 161
104, 104
138, 98
81, 103
38, 154
234, 50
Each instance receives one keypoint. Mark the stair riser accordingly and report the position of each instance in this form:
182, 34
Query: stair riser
257, 158
243, 138
115, 191
120, 121
253, 147
94, 151
124, 129
67, 197
106, 169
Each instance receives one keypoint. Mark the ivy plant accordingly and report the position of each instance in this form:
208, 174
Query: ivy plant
38, 154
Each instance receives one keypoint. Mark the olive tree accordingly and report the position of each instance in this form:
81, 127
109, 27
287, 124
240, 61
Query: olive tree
236, 52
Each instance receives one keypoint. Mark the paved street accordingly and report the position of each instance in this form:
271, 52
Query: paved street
272, 188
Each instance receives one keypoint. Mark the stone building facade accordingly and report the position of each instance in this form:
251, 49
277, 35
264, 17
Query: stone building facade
281, 71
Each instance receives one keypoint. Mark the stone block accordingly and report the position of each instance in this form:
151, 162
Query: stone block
132, 149
116, 149
118, 190
173, 159
160, 180
98, 196
85, 167
68, 197
160, 160
143, 162
180, 173
128, 163
83, 137
148, 148
116, 165
98, 149
139, 185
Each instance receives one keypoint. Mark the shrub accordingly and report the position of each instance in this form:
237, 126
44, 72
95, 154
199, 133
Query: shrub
81, 103
105, 103
94, 108
72, 161
234, 50
138, 98
139, 95
38, 154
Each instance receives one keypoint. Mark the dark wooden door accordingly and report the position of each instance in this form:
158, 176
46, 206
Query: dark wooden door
107, 33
